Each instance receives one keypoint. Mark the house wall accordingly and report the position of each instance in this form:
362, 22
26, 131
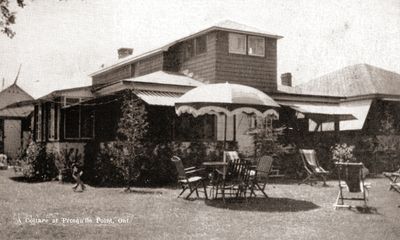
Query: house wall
149, 65
113, 75
200, 67
258, 72
12, 139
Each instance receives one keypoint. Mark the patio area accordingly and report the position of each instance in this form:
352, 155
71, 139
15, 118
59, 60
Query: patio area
292, 212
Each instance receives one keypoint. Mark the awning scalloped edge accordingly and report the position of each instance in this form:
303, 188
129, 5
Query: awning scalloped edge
215, 110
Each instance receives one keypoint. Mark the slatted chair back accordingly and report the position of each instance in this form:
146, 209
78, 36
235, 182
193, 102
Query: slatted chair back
179, 167
352, 175
264, 166
231, 158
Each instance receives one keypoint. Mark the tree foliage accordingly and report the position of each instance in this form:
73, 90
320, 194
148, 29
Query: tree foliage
7, 17
132, 130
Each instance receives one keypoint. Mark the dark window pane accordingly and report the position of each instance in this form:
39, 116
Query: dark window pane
87, 117
72, 122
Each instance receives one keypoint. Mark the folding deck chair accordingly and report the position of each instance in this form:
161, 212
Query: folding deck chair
312, 167
394, 178
351, 177
187, 179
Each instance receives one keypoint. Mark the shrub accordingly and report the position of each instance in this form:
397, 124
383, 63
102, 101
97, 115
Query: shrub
37, 164
105, 170
64, 160
157, 168
343, 153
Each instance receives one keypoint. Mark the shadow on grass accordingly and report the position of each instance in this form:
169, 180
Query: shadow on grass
365, 210
27, 180
264, 205
142, 191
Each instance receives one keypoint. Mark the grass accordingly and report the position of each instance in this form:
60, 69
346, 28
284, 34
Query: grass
292, 212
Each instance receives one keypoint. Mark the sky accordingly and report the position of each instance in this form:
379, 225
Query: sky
59, 43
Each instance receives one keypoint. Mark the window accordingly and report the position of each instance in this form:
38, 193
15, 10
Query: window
38, 124
256, 46
79, 122
237, 43
87, 120
72, 122
189, 49
201, 44
50, 120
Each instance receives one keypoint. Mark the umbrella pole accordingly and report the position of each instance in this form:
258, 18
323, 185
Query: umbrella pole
226, 118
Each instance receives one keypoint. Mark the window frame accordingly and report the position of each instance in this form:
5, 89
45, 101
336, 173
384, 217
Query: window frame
230, 38
248, 45
79, 106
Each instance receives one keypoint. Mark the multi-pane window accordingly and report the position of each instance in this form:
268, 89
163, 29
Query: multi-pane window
237, 43
79, 122
256, 46
242, 44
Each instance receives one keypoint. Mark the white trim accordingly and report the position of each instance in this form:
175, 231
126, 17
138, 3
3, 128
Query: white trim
215, 110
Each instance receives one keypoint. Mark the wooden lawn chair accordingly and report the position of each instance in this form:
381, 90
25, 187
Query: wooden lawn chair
187, 179
234, 178
259, 176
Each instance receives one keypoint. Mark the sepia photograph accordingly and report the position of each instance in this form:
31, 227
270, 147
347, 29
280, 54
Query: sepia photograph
200, 119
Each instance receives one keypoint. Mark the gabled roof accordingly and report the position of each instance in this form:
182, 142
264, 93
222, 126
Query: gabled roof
13, 94
226, 25
353, 81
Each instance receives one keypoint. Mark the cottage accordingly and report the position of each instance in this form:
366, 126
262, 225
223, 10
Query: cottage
226, 52
14, 120
357, 99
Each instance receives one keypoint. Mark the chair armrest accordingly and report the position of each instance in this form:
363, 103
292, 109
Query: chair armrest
190, 168
194, 170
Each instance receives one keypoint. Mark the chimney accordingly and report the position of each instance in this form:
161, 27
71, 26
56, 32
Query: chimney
124, 52
286, 79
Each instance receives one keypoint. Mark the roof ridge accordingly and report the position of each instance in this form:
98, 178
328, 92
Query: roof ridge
367, 68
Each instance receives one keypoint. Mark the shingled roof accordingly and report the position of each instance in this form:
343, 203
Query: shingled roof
353, 81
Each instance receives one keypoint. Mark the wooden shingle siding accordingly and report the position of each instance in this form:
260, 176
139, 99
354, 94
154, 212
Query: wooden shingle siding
200, 67
149, 65
258, 72
113, 75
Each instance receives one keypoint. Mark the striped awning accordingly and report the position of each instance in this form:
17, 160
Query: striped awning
158, 98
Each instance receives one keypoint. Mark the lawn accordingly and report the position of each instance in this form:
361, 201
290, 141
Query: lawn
292, 212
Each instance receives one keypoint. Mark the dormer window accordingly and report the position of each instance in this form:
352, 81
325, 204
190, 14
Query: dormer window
256, 46
237, 43
246, 45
